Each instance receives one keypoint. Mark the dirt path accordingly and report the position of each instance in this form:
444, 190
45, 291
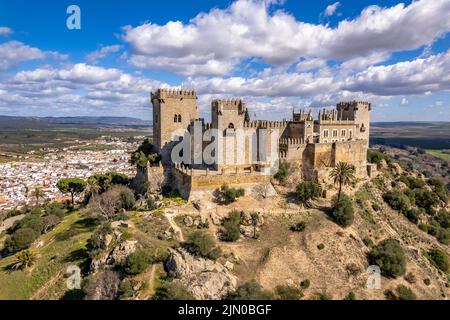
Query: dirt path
175, 227
8, 223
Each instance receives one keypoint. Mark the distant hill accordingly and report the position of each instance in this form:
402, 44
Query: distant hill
13, 122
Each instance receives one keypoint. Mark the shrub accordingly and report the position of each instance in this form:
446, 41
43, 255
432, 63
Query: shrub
125, 289
55, 208
127, 198
443, 218
283, 171
251, 290
231, 231
202, 244
343, 213
351, 296
426, 199
286, 292
305, 284
298, 227
397, 200
375, 206
427, 281
97, 241
13, 213
413, 215
439, 188
136, 263
410, 277
439, 259
443, 236
368, 242
229, 194
307, 191
411, 182
411, 196
21, 239
389, 256
33, 222
172, 290
405, 293
374, 156
321, 246
49, 222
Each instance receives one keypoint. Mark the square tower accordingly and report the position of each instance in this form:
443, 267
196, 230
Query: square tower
172, 110
359, 112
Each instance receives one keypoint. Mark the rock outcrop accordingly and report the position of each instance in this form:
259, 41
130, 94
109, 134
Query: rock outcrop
204, 279
121, 252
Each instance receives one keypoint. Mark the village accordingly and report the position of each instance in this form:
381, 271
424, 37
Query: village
18, 178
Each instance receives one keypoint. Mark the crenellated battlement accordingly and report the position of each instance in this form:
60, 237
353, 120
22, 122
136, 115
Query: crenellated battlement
291, 141
353, 104
229, 104
263, 124
164, 93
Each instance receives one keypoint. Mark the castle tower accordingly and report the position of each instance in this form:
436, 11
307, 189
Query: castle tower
228, 114
172, 110
359, 112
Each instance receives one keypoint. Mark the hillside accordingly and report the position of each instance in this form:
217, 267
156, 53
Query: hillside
332, 259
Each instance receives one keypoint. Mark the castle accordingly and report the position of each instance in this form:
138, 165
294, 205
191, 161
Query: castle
199, 157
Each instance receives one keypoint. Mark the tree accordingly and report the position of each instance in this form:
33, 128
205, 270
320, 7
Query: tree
439, 259
49, 222
283, 171
251, 290
21, 239
343, 212
71, 185
307, 191
397, 200
390, 257
24, 260
229, 194
343, 174
136, 263
172, 290
37, 193
202, 244
246, 116
102, 286
255, 218
287, 292
231, 226
107, 204
405, 293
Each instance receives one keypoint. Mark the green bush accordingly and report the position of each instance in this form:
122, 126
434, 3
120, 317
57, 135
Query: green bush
351, 296
56, 209
443, 218
427, 281
125, 289
298, 227
411, 182
305, 284
343, 213
426, 199
307, 191
439, 259
172, 290
231, 226
374, 156
443, 236
368, 242
136, 263
283, 171
202, 244
251, 290
390, 257
19, 240
33, 222
411, 196
127, 198
229, 194
397, 200
413, 215
375, 206
97, 240
405, 293
321, 246
440, 188
286, 292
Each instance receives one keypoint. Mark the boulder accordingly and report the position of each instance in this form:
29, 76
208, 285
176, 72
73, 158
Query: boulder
396, 168
382, 164
121, 252
216, 220
248, 231
204, 279
188, 221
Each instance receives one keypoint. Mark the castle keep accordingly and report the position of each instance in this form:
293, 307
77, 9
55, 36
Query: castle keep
201, 156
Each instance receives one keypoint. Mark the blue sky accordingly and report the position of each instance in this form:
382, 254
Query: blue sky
276, 55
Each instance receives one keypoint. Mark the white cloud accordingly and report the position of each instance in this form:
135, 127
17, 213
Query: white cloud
214, 42
361, 63
5, 31
310, 64
404, 102
13, 53
331, 9
94, 56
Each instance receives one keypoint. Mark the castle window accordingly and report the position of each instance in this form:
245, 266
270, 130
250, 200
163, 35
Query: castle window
335, 133
325, 133
175, 118
179, 118
156, 118
325, 141
350, 133
343, 132
231, 126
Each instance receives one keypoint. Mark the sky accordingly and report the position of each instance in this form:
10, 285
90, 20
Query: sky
277, 55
